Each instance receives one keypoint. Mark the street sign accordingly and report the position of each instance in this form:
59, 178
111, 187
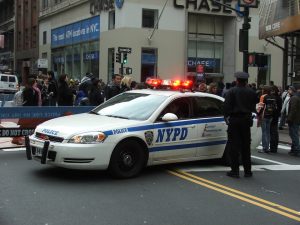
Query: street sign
124, 50
42, 63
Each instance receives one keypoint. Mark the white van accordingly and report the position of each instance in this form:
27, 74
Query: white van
8, 83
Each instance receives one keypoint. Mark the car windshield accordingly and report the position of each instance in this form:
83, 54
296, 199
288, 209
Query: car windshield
133, 106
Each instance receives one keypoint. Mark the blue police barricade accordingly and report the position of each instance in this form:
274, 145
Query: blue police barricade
21, 121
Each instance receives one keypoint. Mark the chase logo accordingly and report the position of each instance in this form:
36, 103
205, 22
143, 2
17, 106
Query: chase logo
119, 3
171, 134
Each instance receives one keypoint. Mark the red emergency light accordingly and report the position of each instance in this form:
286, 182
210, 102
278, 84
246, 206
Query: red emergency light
170, 84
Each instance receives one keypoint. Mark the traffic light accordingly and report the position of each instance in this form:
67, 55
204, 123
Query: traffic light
124, 58
118, 57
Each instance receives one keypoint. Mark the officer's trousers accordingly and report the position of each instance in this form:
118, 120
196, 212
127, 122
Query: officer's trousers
239, 139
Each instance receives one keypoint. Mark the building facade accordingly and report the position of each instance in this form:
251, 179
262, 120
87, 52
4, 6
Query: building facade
166, 40
26, 49
7, 34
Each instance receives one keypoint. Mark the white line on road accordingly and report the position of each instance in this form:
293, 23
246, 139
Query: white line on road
254, 168
268, 160
283, 147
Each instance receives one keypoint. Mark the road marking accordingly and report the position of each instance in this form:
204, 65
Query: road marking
268, 160
283, 147
212, 168
276, 208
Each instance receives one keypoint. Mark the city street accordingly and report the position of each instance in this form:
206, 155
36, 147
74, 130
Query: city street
188, 193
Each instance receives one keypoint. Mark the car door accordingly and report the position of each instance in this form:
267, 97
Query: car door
174, 140
211, 127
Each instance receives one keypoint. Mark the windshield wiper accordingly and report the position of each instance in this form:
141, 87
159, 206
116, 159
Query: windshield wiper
93, 112
121, 117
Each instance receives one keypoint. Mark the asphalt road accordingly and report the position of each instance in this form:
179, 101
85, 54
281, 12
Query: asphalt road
180, 194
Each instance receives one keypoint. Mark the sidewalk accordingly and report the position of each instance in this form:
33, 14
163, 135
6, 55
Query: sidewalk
284, 138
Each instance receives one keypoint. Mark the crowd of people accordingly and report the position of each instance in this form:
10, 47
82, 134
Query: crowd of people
45, 90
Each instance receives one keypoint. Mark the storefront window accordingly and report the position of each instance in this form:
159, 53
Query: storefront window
149, 63
205, 44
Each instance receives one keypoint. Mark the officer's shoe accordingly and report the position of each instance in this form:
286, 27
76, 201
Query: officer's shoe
233, 174
248, 174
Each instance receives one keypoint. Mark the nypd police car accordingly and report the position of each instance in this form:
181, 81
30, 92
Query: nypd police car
136, 129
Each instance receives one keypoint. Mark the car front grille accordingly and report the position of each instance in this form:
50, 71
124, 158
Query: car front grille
48, 137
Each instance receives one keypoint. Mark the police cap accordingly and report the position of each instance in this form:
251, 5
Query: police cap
241, 75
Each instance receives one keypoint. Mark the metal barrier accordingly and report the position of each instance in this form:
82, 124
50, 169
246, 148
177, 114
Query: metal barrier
21, 121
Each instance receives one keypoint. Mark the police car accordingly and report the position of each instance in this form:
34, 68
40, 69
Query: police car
135, 129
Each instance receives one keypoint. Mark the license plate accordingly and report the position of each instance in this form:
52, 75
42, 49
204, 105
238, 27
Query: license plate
38, 151
11, 85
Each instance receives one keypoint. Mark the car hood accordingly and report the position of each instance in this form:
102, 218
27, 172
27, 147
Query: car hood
75, 124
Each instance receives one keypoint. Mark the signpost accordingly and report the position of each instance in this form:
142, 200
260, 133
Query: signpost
121, 57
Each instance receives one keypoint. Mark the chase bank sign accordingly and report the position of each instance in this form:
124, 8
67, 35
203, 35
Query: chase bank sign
204, 5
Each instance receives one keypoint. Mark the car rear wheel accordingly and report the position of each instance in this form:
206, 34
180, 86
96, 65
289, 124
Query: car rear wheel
127, 160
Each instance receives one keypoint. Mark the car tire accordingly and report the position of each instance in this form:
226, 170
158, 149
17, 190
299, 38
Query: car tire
127, 160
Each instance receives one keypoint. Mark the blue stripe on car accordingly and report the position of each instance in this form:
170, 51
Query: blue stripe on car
169, 124
176, 147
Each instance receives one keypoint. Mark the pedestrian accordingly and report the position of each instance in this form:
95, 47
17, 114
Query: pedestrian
293, 120
268, 107
113, 88
202, 87
213, 88
96, 96
30, 98
274, 135
239, 105
86, 83
65, 95
126, 83
286, 96
52, 88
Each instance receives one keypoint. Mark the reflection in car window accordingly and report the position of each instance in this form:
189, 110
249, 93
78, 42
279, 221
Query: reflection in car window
4, 78
207, 107
12, 79
134, 106
180, 107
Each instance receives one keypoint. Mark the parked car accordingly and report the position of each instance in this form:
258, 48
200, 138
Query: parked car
8, 83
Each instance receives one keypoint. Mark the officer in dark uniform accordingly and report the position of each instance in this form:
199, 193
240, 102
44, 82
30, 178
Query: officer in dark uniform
239, 104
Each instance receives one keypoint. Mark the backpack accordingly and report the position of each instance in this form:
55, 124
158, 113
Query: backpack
270, 106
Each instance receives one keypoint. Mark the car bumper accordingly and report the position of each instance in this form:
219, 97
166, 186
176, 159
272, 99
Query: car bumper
67, 155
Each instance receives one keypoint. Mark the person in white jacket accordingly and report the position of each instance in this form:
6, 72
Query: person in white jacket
285, 107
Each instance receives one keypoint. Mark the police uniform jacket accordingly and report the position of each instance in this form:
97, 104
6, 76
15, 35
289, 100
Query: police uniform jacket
240, 101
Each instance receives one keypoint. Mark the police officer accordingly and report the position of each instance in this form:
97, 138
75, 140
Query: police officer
239, 104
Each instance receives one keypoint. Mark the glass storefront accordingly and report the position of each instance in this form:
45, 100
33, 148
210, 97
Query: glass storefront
75, 48
205, 43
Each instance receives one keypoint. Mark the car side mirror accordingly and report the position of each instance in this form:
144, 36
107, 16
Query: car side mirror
169, 117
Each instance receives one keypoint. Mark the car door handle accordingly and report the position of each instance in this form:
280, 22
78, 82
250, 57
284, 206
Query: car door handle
193, 126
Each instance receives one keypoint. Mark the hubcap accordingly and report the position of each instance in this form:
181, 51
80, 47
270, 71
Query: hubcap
127, 159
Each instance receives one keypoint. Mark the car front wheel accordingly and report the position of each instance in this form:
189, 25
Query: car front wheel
127, 160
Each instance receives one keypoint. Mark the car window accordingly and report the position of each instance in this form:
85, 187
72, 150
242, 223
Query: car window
12, 79
135, 106
180, 107
207, 107
4, 78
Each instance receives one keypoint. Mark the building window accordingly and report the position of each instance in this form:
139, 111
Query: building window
44, 55
205, 43
149, 63
34, 37
111, 20
44, 37
150, 17
45, 4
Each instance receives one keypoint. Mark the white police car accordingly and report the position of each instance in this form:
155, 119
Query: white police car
135, 129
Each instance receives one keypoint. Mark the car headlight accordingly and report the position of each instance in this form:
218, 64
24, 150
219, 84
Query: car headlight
88, 138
